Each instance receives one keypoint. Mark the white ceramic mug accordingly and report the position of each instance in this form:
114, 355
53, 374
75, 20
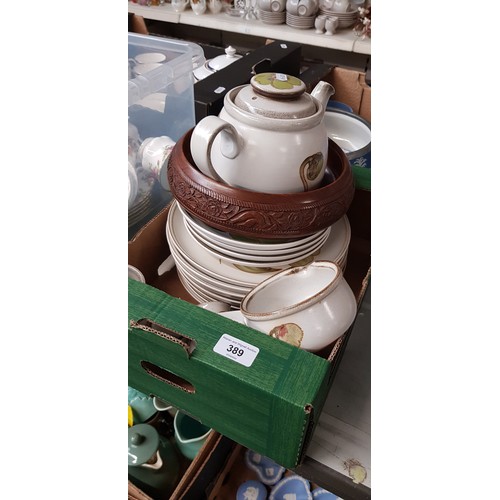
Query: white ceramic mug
153, 155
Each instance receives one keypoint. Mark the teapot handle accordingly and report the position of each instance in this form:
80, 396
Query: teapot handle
202, 139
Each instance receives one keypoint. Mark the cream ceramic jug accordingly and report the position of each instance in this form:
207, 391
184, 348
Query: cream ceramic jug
269, 137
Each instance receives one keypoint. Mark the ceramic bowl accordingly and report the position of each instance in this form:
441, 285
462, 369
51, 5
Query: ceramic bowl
352, 133
253, 214
309, 306
338, 105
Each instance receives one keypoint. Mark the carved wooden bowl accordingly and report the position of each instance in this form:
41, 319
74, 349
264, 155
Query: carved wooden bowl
261, 215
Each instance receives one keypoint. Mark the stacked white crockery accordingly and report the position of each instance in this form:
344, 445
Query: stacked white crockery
301, 13
216, 266
271, 11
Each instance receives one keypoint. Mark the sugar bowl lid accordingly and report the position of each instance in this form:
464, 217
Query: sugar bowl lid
143, 442
220, 62
276, 95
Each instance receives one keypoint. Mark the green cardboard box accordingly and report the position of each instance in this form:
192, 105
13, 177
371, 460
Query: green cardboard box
270, 401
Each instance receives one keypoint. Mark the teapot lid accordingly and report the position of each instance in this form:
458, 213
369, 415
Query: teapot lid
220, 62
143, 443
276, 95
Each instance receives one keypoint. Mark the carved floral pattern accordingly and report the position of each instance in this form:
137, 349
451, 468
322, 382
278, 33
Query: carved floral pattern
251, 219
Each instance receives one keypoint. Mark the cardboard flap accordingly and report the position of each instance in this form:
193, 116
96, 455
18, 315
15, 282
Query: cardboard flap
260, 405
351, 89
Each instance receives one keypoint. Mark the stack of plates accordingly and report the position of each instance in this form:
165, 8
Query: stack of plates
142, 203
253, 254
346, 19
300, 22
215, 272
268, 17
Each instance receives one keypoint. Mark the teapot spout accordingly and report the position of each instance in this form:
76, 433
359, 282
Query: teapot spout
322, 92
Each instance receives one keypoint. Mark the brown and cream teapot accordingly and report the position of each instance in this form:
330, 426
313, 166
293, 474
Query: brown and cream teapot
269, 137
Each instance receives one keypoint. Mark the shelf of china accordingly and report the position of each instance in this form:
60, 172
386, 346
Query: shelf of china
344, 39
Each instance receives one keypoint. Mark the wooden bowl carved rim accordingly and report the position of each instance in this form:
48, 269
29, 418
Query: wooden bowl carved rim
261, 215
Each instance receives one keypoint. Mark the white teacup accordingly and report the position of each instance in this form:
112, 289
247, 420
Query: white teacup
308, 306
153, 156
307, 8
292, 6
179, 5
264, 5
340, 5
278, 5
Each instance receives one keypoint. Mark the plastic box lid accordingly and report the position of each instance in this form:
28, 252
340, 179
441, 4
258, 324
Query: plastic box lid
181, 58
161, 96
160, 103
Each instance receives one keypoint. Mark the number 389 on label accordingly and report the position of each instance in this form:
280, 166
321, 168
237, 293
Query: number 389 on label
234, 350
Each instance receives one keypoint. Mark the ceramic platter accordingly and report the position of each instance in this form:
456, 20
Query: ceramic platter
207, 277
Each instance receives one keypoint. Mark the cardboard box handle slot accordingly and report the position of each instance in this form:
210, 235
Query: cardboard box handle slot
167, 377
187, 343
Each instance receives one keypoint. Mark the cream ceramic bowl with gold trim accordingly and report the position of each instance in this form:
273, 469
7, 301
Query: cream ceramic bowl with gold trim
309, 306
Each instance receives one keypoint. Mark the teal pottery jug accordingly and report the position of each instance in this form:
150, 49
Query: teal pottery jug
190, 434
153, 465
